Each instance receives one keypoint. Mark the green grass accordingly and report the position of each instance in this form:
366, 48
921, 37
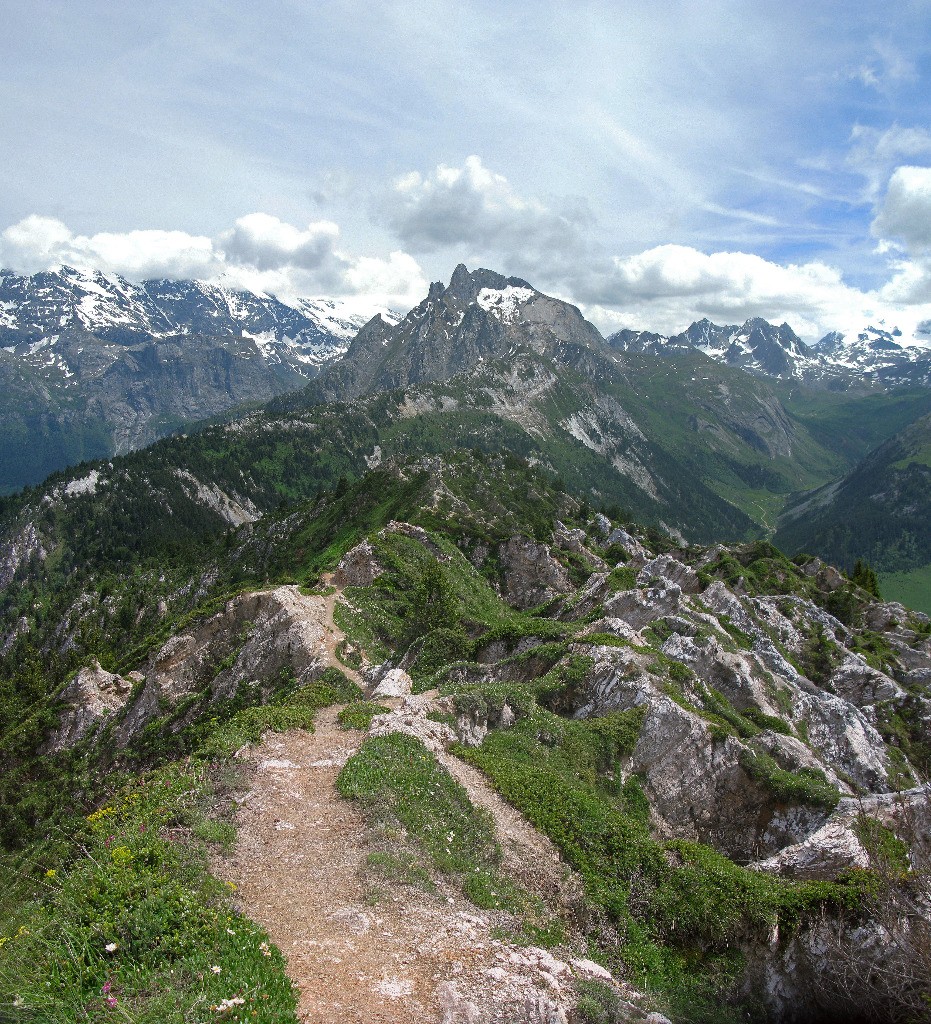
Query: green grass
122, 920
359, 714
399, 784
912, 588
681, 909
807, 785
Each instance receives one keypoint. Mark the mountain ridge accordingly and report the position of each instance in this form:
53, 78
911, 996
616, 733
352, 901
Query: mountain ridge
875, 357
92, 365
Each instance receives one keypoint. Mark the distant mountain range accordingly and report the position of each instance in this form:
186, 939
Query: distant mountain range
492, 364
874, 357
709, 433
93, 365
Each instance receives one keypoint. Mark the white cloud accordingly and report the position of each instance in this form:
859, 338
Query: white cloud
260, 252
36, 243
399, 275
875, 154
267, 243
668, 287
474, 206
906, 211
885, 68
903, 225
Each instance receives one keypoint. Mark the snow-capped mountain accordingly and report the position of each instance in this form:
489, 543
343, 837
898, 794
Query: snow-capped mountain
479, 317
757, 347
873, 355
888, 356
35, 311
92, 364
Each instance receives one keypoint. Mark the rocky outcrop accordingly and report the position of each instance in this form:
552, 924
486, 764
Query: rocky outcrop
94, 696
358, 567
256, 640
665, 567
22, 546
530, 575
640, 607
394, 683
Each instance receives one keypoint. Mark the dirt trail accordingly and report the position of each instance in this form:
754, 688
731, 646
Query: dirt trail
362, 949
333, 635
300, 868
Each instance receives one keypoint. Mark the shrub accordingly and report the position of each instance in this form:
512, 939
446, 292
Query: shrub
359, 714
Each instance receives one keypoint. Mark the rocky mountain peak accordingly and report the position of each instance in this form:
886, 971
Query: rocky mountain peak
481, 316
465, 286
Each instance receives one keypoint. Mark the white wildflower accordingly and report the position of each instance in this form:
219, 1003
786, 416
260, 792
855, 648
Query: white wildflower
225, 1005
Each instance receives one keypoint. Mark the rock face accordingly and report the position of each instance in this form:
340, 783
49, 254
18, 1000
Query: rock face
480, 316
530, 573
358, 567
394, 683
91, 698
256, 640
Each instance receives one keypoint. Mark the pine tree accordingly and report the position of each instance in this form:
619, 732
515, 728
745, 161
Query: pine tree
864, 576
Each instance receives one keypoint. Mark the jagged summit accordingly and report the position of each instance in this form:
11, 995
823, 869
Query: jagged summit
480, 316
757, 346
872, 356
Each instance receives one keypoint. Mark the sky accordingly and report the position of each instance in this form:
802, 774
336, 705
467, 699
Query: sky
654, 164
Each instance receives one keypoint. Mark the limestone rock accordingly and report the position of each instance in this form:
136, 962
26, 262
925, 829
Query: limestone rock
826, 576
823, 855
601, 525
254, 639
855, 681
413, 721
638, 608
90, 698
885, 614
665, 567
638, 553
358, 567
531, 575
394, 683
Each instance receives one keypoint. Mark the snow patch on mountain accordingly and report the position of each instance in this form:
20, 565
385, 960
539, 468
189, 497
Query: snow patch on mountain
312, 331
504, 303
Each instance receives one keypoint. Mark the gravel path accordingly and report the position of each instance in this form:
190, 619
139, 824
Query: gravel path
365, 950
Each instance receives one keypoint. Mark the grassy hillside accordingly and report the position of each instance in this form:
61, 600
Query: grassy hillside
880, 512
912, 588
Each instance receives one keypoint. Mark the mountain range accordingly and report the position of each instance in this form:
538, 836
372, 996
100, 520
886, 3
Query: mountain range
655, 428
875, 356
93, 365
470, 650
